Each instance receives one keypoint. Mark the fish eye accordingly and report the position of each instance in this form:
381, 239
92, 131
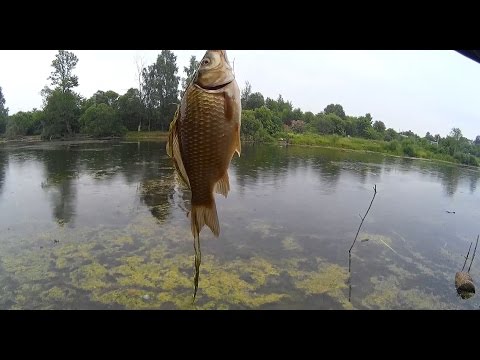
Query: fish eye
205, 61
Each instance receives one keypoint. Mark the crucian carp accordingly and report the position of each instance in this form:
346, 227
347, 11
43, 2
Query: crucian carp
203, 137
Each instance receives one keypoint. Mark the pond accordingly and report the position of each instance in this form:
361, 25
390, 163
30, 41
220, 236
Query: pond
102, 225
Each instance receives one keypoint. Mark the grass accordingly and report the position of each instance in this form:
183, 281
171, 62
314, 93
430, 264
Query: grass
403, 148
146, 135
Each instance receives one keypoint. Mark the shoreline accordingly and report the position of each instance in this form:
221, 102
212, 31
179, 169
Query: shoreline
163, 136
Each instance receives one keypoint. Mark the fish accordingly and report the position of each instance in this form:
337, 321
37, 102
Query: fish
203, 137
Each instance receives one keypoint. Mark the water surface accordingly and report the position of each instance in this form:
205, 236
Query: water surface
103, 226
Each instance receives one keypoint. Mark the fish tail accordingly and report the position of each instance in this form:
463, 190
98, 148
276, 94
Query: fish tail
205, 215
202, 215
198, 261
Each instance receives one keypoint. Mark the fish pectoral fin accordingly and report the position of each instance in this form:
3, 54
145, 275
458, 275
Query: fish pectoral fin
205, 215
237, 142
222, 186
173, 150
172, 129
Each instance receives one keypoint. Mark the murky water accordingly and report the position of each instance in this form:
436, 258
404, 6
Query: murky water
103, 226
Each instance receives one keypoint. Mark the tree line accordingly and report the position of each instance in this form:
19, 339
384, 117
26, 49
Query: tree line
151, 106
65, 113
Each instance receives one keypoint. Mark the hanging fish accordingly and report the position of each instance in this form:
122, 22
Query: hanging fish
203, 136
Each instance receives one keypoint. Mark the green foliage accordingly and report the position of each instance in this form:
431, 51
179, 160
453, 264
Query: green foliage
408, 148
335, 109
379, 126
131, 110
63, 65
371, 133
62, 113
456, 133
3, 113
189, 71
101, 120
390, 135
393, 147
270, 121
254, 101
160, 84
429, 136
109, 98
24, 123
18, 124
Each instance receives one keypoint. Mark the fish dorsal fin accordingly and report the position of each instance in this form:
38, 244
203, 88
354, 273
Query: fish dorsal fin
222, 186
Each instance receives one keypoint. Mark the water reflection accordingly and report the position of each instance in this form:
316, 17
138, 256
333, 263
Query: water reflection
61, 172
3, 167
286, 228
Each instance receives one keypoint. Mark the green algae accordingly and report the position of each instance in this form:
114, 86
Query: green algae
89, 277
329, 279
389, 294
289, 243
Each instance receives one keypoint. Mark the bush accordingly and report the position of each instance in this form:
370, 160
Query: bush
408, 149
101, 120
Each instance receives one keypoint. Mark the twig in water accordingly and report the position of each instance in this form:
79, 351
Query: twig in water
473, 256
466, 257
358, 231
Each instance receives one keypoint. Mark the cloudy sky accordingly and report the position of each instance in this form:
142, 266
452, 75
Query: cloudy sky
418, 90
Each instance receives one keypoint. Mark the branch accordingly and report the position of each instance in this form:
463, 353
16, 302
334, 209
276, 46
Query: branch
358, 231
466, 257
473, 256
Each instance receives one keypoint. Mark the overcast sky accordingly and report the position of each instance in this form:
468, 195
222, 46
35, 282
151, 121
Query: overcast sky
418, 90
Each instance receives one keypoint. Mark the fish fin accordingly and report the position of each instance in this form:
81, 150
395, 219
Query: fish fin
237, 142
222, 186
233, 114
173, 149
171, 130
205, 215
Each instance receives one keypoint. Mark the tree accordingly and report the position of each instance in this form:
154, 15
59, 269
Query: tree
61, 105
161, 89
3, 113
308, 117
131, 109
101, 120
456, 133
477, 140
109, 98
63, 65
254, 101
18, 124
390, 134
362, 125
335, 109
24, 123
379, 126
271, 123
250, 125
62, 113
189, 71
247, 90
429, 136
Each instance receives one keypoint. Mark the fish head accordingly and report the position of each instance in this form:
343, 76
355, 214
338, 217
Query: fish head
215, 70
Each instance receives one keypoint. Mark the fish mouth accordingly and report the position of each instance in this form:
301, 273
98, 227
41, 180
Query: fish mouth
217, 87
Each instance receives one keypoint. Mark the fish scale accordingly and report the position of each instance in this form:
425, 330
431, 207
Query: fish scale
203, 129
203, 136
